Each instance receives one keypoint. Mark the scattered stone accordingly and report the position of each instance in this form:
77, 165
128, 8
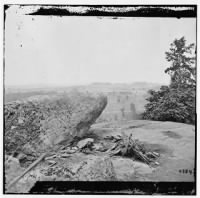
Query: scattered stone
51, 161
20, 121
65, 155
99, 147
50, 157
11, 163
74, 148
155, 153
156, 163
151, 155
88, 142
70, 151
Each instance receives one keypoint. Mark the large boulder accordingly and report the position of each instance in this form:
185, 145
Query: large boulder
174, 142
38, 124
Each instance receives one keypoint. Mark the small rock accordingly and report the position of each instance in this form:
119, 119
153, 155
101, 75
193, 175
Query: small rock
99, 147
20, 121
65, 155
155, 153
85, 142
70, 151
12, 162
50, 157
51, 161
151, 155
75, 148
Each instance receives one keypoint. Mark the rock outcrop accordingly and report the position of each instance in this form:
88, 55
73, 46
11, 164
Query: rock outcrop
39, 124
175, 143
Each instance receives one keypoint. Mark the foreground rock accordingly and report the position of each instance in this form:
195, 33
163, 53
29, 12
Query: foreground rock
39, 124
85, 143
175, 142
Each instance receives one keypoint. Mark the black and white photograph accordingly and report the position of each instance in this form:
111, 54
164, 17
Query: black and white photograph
99, 99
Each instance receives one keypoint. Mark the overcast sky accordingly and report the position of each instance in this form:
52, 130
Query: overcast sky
46, 50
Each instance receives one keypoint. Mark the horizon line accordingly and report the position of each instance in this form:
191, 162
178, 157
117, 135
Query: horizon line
80, 84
